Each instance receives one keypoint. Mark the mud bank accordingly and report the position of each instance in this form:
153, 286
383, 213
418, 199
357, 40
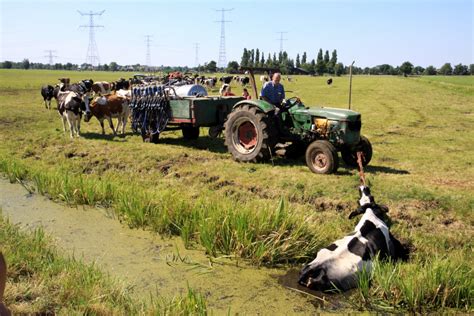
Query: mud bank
149, 263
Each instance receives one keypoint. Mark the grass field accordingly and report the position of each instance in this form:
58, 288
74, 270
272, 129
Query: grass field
277, 213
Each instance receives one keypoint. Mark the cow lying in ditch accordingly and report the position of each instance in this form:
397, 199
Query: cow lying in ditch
108, 107
338, 265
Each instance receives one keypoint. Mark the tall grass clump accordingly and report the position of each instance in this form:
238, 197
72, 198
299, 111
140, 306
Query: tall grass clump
434, 284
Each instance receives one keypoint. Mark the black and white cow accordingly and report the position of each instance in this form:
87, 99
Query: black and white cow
244, 81
84, 90
226, 79
338, 265
70, 107
48, 93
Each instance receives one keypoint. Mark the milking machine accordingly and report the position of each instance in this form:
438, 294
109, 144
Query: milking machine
150, 110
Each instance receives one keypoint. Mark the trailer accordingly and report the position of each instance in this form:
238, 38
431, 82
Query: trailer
156, 108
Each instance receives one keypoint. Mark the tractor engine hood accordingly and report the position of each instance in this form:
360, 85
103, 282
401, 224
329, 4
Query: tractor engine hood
333, 114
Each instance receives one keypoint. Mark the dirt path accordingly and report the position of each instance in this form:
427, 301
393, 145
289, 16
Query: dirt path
150, 263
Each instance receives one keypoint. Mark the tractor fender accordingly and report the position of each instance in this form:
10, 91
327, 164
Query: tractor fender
261, 104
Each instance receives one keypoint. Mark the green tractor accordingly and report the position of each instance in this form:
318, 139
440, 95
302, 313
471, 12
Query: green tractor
255, 127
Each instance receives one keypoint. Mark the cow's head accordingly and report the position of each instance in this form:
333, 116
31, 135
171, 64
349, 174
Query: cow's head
88, 84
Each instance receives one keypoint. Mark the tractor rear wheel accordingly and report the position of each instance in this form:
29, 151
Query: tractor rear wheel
321, 157
349, 155
190, 132
250, 134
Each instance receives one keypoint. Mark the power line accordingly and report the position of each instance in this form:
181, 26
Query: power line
281, 39
92, 51
222, 58
196, 59
50, 56
148, 55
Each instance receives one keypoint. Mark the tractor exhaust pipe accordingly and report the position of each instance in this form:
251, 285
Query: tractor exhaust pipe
350, 83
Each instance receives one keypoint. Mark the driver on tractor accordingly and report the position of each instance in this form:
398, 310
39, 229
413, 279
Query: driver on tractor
273, 92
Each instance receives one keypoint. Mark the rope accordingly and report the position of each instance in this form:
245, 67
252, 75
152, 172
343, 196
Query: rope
360, 158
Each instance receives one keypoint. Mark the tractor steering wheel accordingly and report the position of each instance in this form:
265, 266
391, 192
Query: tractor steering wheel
291, 102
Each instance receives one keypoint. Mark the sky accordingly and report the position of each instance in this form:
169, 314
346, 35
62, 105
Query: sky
424, 32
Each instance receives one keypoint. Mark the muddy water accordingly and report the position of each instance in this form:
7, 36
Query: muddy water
149, 263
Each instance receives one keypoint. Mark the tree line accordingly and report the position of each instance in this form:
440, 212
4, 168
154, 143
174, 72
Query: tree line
325, 63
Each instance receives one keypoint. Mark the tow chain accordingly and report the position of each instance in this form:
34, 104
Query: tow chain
360, 158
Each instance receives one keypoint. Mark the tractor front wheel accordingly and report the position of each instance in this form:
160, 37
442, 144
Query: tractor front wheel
349, 155
321, 157
249, 134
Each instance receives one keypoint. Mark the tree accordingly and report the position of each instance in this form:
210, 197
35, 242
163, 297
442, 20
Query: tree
113, 66
244, 62
269, 60
385, 69
257, 58
406, 68
211, 66
262, 61
460, 70
332, 62
334, 57
252, 58
326, 58
339, 69
7, 64
320, 65
471, 69
418, 70
298, 64
312, 68
303, 59
446, 69
232, 67
430, 71
25, 64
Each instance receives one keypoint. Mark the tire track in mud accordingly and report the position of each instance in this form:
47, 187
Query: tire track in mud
149, 263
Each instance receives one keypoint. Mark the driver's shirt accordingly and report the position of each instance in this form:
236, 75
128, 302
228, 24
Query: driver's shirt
273, 92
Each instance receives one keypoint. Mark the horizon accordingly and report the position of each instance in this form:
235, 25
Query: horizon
387, 32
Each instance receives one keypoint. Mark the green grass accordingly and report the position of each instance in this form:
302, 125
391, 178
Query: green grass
278, 212
42, 281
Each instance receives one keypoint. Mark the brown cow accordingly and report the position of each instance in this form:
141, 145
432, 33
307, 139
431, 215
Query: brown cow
101, 88
107, 107
4, 311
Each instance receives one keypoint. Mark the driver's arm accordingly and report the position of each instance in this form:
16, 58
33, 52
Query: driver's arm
265, 98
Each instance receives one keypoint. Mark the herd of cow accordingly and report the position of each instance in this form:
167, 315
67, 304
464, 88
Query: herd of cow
110, 100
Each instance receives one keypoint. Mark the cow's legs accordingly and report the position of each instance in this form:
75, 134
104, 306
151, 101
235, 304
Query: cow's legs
49, 104
78, 125
124, 122
102, 125
71, 123
111, 124
63, 118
